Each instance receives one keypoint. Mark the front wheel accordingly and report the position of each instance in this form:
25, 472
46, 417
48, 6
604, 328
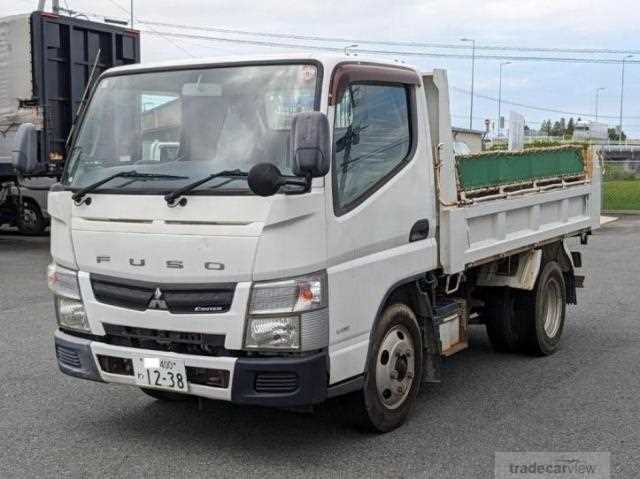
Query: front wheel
30, 220
394, 369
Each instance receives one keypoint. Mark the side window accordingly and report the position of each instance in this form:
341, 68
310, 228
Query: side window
372, 138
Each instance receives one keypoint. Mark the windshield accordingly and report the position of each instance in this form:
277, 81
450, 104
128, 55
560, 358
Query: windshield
190, 123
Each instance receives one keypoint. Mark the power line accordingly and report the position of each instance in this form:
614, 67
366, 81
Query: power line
180, 47
539, 108
278, 44
392, 43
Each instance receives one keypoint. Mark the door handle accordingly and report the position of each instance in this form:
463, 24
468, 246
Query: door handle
419, 231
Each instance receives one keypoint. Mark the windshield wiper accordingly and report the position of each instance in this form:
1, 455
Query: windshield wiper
172, 197
78, 195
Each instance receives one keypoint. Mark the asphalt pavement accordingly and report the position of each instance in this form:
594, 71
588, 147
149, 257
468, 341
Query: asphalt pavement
584, 398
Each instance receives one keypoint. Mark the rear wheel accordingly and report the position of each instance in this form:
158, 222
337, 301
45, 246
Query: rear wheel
166, 395
504, 324
394, 369
544, 311
30, 220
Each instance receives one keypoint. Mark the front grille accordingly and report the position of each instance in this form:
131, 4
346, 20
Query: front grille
68, 357
276, 382
177, 299
160, 340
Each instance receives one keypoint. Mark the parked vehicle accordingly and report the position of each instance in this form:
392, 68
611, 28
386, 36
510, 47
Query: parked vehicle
46, 61
314, 235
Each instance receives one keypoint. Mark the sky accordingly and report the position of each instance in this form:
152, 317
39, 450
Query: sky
569, 87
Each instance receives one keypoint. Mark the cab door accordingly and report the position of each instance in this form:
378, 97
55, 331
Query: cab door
381, 216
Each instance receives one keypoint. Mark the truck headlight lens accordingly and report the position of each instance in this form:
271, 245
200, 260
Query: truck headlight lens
305, 293
71, 314
273, 333
70, 311
277, 312
63, 282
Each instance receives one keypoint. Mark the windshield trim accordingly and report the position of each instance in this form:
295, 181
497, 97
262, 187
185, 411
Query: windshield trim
206, 66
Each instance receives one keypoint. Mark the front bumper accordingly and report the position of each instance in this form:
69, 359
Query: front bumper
266, 381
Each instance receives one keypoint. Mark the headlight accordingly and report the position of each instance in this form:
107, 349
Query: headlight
70, 311
305, 293
273, 333
63, 281
71, 314
277, 310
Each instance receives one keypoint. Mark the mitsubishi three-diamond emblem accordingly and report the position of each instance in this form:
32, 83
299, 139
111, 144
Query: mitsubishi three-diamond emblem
157, 302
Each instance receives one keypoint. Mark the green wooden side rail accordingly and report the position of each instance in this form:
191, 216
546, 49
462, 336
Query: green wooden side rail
502, 168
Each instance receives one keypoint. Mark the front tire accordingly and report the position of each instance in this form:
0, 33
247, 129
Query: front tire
394, 369
30, 220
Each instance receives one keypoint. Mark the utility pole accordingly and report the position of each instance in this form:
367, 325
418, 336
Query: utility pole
598, 90
473, 72
500, 98
131, 13
624, 59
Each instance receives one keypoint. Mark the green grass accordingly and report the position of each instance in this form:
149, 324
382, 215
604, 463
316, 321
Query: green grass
621, 195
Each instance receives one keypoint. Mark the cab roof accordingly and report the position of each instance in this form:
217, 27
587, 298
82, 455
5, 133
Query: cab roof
327, 60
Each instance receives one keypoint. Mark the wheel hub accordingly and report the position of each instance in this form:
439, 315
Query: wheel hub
395, 367
552, 308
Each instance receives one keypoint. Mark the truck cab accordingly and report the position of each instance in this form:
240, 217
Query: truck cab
283, 249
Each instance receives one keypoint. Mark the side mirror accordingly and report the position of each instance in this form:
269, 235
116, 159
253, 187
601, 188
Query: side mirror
25, 152
265, 179
309, 144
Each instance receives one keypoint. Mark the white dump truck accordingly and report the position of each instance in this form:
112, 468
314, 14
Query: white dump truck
309, 233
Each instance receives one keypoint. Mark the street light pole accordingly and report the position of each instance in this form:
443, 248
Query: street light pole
473, 72
132, 18
598, 90
624, 59
500, 98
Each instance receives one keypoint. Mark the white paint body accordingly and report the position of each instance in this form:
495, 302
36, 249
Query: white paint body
365, 252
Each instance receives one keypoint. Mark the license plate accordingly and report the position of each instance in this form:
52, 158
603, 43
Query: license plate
161, 373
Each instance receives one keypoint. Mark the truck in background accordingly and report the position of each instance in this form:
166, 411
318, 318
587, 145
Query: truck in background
312, 236
45, 63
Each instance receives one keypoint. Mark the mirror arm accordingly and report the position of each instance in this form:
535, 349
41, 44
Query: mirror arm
304, 183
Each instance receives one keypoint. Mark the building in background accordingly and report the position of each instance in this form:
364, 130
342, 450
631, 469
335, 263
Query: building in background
466, 141
591, 131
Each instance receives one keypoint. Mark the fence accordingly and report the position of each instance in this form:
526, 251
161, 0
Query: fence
621, 185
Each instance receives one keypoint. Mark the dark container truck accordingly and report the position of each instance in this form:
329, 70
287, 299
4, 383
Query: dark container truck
46, 61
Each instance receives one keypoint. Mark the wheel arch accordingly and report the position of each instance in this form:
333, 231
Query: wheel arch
408, 291
559, 253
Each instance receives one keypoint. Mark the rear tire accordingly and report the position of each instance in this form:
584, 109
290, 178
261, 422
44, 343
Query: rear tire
504, 324
166, 396
394, 370
30, 220
544, 311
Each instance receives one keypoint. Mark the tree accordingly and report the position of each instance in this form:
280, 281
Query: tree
545, 127
570, 127
614, 136
557, 129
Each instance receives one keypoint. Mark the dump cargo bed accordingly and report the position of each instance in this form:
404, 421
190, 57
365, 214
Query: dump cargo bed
507, 168
521, 205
